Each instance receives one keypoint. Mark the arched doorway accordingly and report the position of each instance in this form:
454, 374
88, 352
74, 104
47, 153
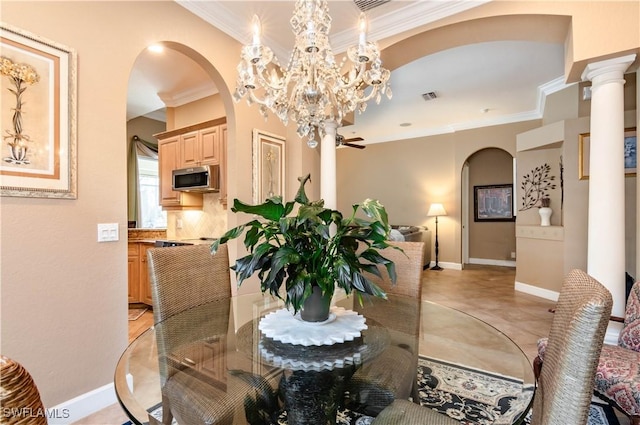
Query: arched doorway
487, 241
171, 88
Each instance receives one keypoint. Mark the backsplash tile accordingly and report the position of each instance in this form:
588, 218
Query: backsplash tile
211, 222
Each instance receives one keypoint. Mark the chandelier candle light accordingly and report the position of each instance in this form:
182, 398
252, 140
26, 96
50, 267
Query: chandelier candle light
313, 90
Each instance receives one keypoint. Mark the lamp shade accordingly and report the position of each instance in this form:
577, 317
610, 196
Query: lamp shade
436, 210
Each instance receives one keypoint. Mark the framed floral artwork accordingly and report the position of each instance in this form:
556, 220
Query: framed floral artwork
38, 110
630, 153
268, 166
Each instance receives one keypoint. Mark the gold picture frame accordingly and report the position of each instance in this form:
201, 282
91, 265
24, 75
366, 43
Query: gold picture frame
268, 166
630, 154
39, 82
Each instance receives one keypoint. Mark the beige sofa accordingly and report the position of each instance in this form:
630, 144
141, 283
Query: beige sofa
416, 234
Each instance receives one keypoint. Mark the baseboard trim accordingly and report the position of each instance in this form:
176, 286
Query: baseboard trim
537, 291
82, 406
492, 262
445, 265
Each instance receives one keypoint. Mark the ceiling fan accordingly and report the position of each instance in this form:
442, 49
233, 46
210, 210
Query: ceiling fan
341, 141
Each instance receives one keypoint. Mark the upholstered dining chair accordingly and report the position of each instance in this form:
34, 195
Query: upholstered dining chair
406, 260
566, 377
618, 373
19, 395
183, 278
393, 374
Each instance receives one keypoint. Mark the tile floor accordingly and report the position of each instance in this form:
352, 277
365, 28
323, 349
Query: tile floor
482, 291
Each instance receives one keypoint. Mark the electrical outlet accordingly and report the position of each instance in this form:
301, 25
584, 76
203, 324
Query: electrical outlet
513, 255
108, 232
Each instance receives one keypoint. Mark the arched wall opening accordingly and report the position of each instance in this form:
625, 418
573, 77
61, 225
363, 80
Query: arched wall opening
489, 230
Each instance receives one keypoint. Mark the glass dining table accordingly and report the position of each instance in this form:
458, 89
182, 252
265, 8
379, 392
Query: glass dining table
215, 364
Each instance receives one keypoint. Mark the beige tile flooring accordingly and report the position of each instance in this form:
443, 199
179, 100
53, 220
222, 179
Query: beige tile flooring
486, 292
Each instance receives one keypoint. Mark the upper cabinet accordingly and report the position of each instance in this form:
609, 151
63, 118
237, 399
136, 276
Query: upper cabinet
201, 147
196, 145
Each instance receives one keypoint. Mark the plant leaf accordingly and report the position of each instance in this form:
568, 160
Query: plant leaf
230, 234
301, 196
270, 209
374, 209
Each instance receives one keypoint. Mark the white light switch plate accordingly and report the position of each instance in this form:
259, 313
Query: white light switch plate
108, 232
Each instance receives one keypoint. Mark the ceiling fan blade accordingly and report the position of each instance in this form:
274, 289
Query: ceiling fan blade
354, 139
352, 145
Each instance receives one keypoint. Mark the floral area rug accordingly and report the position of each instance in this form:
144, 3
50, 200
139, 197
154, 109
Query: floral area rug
477, 397
469, 395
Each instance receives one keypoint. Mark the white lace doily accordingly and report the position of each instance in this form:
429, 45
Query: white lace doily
342, 325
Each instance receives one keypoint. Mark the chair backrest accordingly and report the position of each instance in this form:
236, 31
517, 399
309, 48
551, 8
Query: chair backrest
630, 335
577, 332
184, 277
19, 396
408, 266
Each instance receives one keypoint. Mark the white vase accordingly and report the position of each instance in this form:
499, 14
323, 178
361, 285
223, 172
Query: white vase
545, 216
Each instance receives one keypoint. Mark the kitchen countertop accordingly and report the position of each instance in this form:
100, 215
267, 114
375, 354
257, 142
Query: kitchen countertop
146, 235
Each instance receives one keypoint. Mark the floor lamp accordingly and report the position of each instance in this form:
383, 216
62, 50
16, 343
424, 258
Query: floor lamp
436, 210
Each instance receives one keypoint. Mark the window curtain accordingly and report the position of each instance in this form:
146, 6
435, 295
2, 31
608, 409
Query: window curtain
137, 146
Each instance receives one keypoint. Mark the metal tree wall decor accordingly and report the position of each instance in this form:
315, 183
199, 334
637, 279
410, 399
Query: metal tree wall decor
536, 185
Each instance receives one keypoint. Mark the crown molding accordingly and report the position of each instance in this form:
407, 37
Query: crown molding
411, 16
180, 98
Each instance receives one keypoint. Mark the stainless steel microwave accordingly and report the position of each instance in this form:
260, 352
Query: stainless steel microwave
197, 179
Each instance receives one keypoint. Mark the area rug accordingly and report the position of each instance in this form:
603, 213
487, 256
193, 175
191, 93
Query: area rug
136, 313
477, 397
469, 395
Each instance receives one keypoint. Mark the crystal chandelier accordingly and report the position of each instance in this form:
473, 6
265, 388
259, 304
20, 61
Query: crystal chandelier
313, 89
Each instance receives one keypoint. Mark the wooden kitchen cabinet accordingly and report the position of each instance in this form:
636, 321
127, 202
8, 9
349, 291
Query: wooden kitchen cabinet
201, 147
169, 159
223, 165
145, 282
139, 284
134, 273
196, 145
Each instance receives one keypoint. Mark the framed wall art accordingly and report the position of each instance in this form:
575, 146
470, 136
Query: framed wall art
268, 166
630, 154
493, 203
38, 83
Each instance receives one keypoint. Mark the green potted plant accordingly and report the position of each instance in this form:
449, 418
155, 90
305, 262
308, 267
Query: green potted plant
312, 251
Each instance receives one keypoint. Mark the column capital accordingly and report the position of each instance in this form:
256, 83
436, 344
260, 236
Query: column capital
616, 66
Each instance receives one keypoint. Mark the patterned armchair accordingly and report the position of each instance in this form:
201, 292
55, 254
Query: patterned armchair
618, 373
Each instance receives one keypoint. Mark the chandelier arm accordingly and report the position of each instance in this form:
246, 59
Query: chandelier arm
256, 99
267, 81
359, 78
374, 92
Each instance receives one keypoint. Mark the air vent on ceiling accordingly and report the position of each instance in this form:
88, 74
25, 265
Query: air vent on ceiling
429, 95
365, 5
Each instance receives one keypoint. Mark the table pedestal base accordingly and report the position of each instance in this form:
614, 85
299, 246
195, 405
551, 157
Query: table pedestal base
313, 397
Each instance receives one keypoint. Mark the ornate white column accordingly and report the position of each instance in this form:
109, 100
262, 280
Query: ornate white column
606, 242
328, 166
